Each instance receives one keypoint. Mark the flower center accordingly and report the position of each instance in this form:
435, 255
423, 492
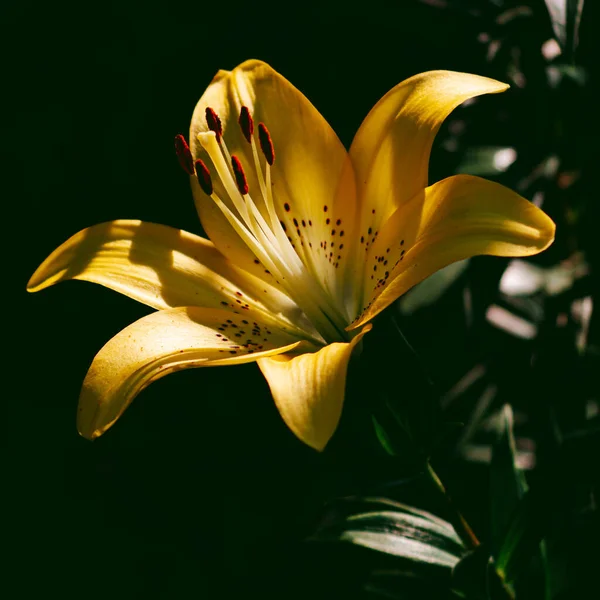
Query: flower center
264, 232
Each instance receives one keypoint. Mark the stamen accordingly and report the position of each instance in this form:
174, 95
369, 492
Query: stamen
213, 122
266, 145
184, 154
208, 140
268, 243
246, 123
240, 176
204, 179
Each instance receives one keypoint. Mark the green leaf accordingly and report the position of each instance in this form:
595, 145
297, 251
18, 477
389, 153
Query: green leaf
411, 422
507, 482
517, 523
523, 536
401, 531
566, 18
487, 161
432, 288
384, 439
475, 577
393, 433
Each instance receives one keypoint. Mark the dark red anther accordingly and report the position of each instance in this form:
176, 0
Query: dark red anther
246, 123
240, 176
204, 179
213, 122
184, 155
266, 145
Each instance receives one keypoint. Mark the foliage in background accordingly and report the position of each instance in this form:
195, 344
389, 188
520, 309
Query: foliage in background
202, 492
522, 340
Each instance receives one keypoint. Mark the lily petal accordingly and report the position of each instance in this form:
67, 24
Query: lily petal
160, 266
164, 342
390, 151
454, 219
309, 389
312, 176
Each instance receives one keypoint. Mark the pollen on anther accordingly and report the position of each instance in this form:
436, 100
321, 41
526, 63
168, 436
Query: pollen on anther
266, 144
246, 123
240, 176
184, 155
203, 176
213, 122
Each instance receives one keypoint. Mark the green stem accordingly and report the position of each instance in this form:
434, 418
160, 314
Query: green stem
462, 528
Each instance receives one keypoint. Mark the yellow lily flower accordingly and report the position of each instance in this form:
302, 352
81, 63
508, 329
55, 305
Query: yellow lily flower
309, 243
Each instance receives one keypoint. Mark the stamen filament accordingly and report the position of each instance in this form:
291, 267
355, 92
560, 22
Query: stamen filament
292, 267
261, 181
300, 291
243, 232
316, 315
209, 143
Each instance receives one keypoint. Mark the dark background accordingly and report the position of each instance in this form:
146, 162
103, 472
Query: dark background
199, 490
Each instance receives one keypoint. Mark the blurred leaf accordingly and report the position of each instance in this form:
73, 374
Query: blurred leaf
523, 536
430, 290
401, 531
406, 424
475, 577
393, 433
522, 278
487, 160
507, 483
559, 74
566, 18
402, 583
384, 439
477, 414
581, 310
465, 383
511, 323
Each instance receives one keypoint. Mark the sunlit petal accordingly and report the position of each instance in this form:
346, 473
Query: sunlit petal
164, 342
459, 217
390, 151
160, 266
309, 389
